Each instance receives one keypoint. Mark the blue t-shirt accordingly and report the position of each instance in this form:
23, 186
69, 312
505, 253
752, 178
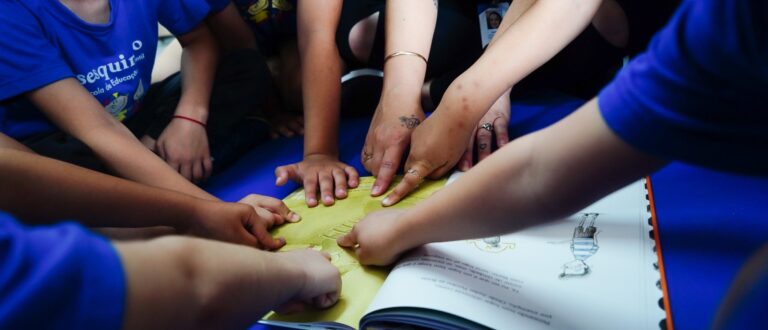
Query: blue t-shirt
699, 94
45, 42
60, 276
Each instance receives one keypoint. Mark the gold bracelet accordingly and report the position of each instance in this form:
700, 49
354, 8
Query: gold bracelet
402, 52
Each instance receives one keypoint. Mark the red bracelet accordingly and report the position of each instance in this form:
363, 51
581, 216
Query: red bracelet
191, 119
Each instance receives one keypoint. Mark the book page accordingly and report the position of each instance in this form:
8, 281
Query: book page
593, 270
319, 229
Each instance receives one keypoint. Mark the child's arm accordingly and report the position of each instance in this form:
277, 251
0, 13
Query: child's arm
537, 178
42, 190
410, 26
184, 143
321, 68
68, 105
189, 283
499, 113
439, 142
8, 143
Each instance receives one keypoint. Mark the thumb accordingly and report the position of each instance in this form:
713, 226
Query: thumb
348, 240
281, 175
325, 300
266, 240
284, 173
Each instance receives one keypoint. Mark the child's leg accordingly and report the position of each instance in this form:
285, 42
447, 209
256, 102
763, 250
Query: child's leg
289, 78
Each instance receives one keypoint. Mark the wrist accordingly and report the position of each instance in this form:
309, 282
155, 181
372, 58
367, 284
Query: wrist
197, 212
292, 267
403, 234
402, 94
325, 153
321, 142
192, 110
405, 71
461, 103
400, 101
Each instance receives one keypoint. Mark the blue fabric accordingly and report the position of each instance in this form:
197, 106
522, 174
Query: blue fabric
710, 223
61, 277
46, 42
218, 5
698, 93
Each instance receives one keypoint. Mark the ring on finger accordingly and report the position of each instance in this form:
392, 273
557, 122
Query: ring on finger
487, 126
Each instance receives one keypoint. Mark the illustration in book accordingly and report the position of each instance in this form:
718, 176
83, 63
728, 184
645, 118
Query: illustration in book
583, 246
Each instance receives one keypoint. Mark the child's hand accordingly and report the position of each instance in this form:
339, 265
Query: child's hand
375, 239
235, 223
278, 209
184, 146
324, 171
322, 281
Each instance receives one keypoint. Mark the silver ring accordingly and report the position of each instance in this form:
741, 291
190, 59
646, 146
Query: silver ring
487, 126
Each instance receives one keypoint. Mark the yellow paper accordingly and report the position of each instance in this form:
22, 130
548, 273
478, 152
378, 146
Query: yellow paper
319, 228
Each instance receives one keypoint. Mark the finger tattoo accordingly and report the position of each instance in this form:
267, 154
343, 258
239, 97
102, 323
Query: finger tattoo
410, 122
482, 146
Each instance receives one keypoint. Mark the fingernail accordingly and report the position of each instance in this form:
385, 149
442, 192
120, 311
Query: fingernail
277, 181
376, 189
328, 199
311, 202
294, 217
341, 192
386, 202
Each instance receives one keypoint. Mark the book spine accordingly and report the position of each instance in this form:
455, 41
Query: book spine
658, 265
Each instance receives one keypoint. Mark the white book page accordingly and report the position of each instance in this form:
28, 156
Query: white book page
534, 279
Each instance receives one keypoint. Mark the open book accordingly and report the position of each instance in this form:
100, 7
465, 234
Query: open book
597, 269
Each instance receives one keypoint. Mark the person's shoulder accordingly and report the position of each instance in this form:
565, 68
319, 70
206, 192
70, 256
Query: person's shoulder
181, 16
38, 265
29, 5
21, 10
